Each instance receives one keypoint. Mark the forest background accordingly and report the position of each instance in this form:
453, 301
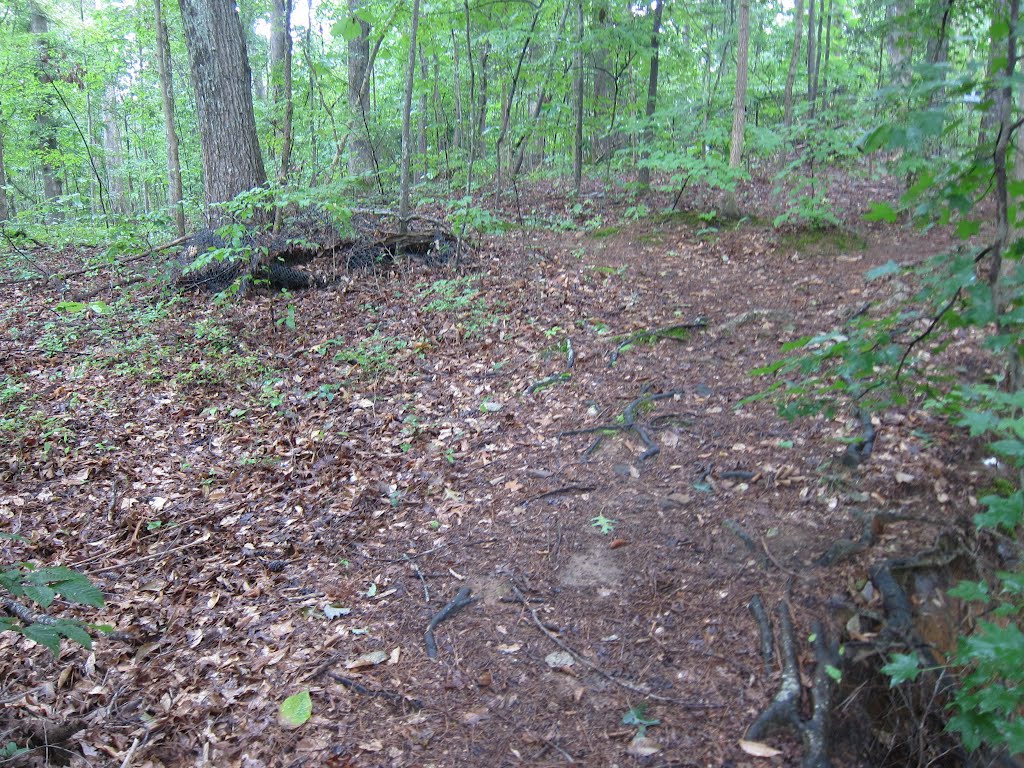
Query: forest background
128, 124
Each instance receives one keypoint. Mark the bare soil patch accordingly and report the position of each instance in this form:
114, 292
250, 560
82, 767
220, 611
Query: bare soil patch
270, 490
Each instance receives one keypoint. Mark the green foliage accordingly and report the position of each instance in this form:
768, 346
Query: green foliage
41, 586
603, 524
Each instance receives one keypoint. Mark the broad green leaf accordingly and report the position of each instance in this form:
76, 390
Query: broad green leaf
44, 635
74, 632
297, 709
889, 268
881, 212
81, 591
1005, 512
902, 667
974, 591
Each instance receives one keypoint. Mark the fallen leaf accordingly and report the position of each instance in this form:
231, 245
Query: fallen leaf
643, 746
559, 660
758, 749
370, 659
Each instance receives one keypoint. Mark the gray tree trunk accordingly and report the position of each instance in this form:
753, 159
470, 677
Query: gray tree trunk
222, 80
577, 87
46, 128
360, 157
112, 159
410, 80
794, 60
652, 96
174, 190
5, 208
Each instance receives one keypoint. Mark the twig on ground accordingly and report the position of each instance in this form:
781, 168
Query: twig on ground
628, 423
675, 332
419, 574
563, 490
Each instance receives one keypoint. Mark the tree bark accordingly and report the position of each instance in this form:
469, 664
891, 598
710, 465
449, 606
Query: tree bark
897, 43
222, 81
175, 194
652, 95
577, 150
360, 158
46, 128
5, 208
282, 93
739, 103
812, 53
410, 79
794, 60
113, 161
457, 84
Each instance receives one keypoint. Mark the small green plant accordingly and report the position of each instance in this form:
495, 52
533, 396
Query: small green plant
42, 586
603, 524
637, 716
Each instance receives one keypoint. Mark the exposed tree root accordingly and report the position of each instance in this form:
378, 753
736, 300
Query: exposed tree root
626, 423
784, 710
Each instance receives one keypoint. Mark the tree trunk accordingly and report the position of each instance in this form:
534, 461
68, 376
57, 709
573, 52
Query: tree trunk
812, 52
739, 103
794, 60
5, 209
652, 96
360, 157
222, 80
577, 149
828, 51
410, 79
897, 43
481, 119
421, 124
46, 128
174, 190
112, 160
282, 93
457, 85
812, 96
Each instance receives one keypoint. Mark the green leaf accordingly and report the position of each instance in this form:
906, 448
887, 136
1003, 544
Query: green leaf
42, 596
81, 591
889, 268
881, 212
973, 591
297, 709
967, 229
834, 672
902, 667
74, 632
44, 635
604, 524
1006, 512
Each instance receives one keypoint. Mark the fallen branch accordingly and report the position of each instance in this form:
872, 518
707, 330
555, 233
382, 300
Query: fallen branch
460, 601
676, 332
627, 423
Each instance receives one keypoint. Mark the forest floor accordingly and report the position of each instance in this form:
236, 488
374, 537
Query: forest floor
278, 494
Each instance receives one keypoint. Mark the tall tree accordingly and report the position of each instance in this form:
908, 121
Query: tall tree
163, 56
652, 94
577, 87
222, 81
5, 208
739, 103
46, 126
360, 156
794, 60
410, 80
281, 88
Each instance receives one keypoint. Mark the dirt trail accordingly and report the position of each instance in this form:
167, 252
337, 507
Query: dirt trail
387, 452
